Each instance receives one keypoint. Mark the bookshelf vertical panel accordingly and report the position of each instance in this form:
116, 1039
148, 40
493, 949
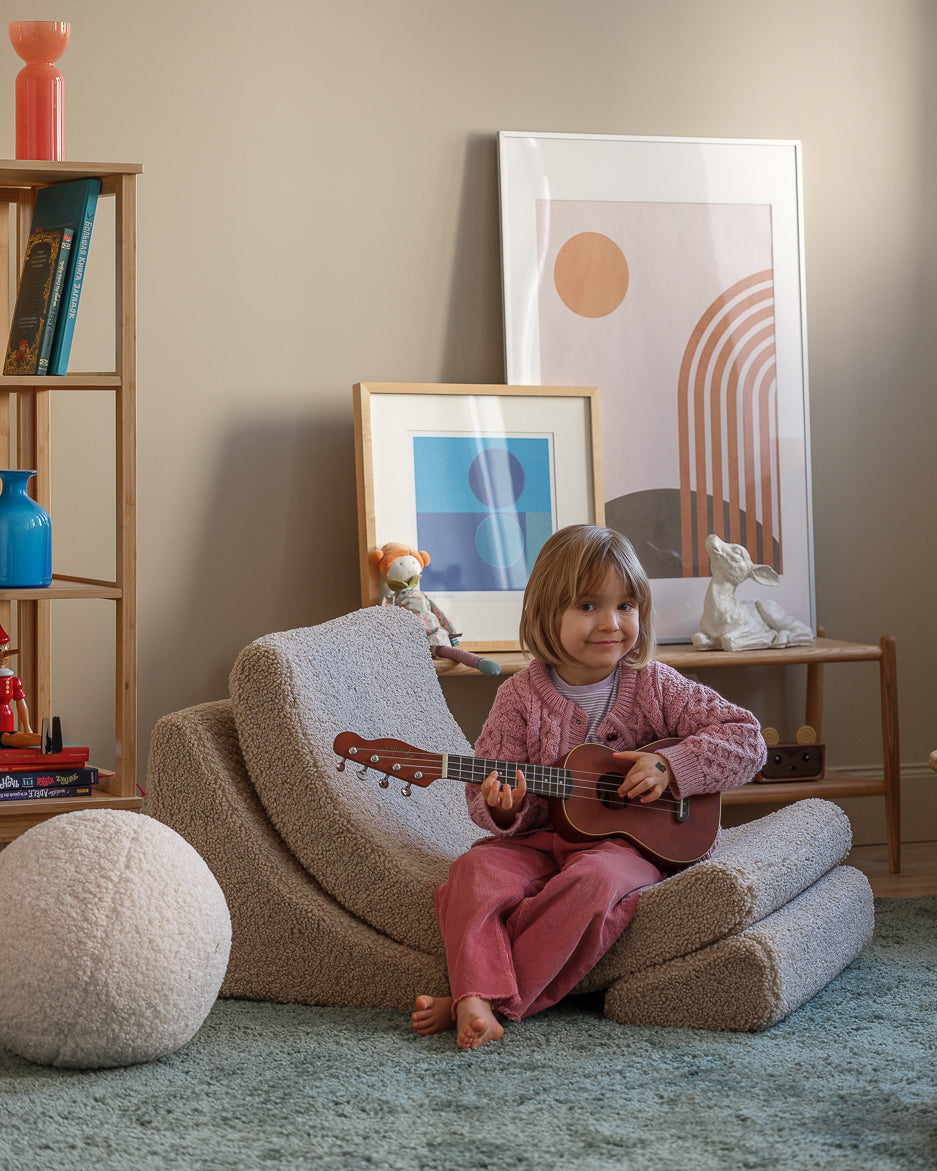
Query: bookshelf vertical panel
26, 411
126, 558
5, 266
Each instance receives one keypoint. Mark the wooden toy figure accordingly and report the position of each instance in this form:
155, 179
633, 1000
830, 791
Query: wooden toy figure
11, 693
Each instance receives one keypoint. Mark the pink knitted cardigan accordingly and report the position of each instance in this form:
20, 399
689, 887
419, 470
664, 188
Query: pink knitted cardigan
530, 722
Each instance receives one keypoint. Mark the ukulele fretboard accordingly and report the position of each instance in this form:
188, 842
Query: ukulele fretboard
543, 780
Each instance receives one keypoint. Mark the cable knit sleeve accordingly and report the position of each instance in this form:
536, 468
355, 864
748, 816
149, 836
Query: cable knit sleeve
722, 745
504, 737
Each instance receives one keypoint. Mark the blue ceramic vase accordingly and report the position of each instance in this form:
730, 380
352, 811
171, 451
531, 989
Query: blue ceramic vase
25, 534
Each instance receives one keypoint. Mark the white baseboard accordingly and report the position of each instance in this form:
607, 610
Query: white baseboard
918, 804
909, 772
867, 816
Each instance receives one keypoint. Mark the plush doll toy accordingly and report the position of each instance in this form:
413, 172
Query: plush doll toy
401, 568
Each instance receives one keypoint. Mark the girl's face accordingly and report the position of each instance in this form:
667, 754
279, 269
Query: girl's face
597, 631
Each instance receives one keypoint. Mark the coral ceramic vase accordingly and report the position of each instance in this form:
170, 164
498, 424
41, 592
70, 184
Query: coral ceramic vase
25, 534
40, 90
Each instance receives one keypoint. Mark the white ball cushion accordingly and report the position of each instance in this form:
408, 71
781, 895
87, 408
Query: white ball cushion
114, 940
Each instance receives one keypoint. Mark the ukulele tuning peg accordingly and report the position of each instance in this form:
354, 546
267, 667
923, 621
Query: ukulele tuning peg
406, 791
340, 767
384, 782
362, 773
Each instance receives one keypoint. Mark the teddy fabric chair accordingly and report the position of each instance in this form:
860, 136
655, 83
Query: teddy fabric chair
329, 877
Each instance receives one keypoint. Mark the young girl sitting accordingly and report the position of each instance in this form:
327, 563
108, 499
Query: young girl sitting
525, 914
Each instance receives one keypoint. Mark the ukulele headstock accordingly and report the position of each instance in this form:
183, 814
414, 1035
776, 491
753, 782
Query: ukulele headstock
393, 758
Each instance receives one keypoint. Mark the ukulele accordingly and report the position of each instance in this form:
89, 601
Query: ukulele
582, 793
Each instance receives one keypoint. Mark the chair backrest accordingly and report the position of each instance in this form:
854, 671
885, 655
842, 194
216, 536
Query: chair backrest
378, 853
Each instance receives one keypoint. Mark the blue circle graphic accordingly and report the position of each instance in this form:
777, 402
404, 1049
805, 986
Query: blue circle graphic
496, 478
499, 540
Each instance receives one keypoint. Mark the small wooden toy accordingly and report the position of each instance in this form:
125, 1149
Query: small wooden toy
801, 761
12, 695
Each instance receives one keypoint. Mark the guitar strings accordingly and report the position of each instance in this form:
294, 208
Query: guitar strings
414, 759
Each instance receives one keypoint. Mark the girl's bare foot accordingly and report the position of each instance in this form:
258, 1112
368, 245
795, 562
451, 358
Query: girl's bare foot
433, 1015
476, 1023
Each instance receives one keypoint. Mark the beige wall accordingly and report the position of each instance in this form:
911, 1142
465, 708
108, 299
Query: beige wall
319, 206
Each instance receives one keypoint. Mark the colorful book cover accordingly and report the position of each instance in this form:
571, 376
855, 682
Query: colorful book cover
37, 300
15, 782
40, 794
72, 205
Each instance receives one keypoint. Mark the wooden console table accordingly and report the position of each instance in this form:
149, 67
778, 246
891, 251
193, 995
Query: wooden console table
816, 655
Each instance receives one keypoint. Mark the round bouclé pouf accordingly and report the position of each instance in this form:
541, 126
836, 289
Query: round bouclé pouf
114, 940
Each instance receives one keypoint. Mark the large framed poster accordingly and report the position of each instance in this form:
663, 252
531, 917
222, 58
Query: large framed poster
478, 476
669, 273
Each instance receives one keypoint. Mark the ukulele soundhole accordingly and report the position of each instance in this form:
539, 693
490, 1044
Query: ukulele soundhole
607, 791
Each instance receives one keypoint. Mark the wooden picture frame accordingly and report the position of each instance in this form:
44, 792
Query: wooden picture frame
669, 272
478, 476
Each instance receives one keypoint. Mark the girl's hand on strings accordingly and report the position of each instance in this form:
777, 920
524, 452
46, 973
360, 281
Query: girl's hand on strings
649, 777
504, 800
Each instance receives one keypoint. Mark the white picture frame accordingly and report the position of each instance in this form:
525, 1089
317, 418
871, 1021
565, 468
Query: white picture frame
669, 272
477, 476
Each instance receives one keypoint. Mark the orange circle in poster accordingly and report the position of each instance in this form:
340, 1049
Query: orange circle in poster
591, 274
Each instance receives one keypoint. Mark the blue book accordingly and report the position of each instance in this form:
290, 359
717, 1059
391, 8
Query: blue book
71, 205
56, 304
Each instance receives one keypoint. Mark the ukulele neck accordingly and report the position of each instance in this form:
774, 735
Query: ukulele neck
542, 780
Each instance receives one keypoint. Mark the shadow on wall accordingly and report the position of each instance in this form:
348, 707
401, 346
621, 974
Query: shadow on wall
474, 346
278, 550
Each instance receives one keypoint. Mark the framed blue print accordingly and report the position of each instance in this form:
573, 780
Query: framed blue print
478, 477
484, 506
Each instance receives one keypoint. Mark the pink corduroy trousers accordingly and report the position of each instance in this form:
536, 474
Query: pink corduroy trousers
523, 919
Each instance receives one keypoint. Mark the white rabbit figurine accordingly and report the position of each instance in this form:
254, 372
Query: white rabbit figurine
732, 625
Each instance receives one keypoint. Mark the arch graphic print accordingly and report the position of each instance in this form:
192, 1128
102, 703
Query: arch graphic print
728, 428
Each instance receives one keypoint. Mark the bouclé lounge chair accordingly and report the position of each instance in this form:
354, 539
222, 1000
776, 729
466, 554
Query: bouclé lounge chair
329, 878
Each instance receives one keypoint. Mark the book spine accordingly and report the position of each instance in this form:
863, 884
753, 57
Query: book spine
13, 782
71, 756
17, 766
62, 342
41, 794
55, 300
41, 762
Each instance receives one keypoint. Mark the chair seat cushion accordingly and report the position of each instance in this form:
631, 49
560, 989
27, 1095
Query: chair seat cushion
379, 854
290, 940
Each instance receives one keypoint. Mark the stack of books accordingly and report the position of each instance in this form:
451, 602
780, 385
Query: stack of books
50, 284
29, 774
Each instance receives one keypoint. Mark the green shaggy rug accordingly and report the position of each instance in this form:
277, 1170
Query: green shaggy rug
846, 1082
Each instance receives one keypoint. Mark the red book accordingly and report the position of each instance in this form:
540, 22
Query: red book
71, 756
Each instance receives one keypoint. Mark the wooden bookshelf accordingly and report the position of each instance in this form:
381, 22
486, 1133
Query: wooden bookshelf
25, 432
815, 656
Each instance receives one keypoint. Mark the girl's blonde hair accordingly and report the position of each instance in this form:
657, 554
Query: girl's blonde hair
571, 564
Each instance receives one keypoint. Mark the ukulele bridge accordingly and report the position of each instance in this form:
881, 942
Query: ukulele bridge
683, 809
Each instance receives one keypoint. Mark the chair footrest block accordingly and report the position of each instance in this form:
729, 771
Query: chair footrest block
755, 978
756, 868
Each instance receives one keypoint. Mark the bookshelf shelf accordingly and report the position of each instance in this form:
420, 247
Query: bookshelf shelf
26, 409
62, 588
69, 382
